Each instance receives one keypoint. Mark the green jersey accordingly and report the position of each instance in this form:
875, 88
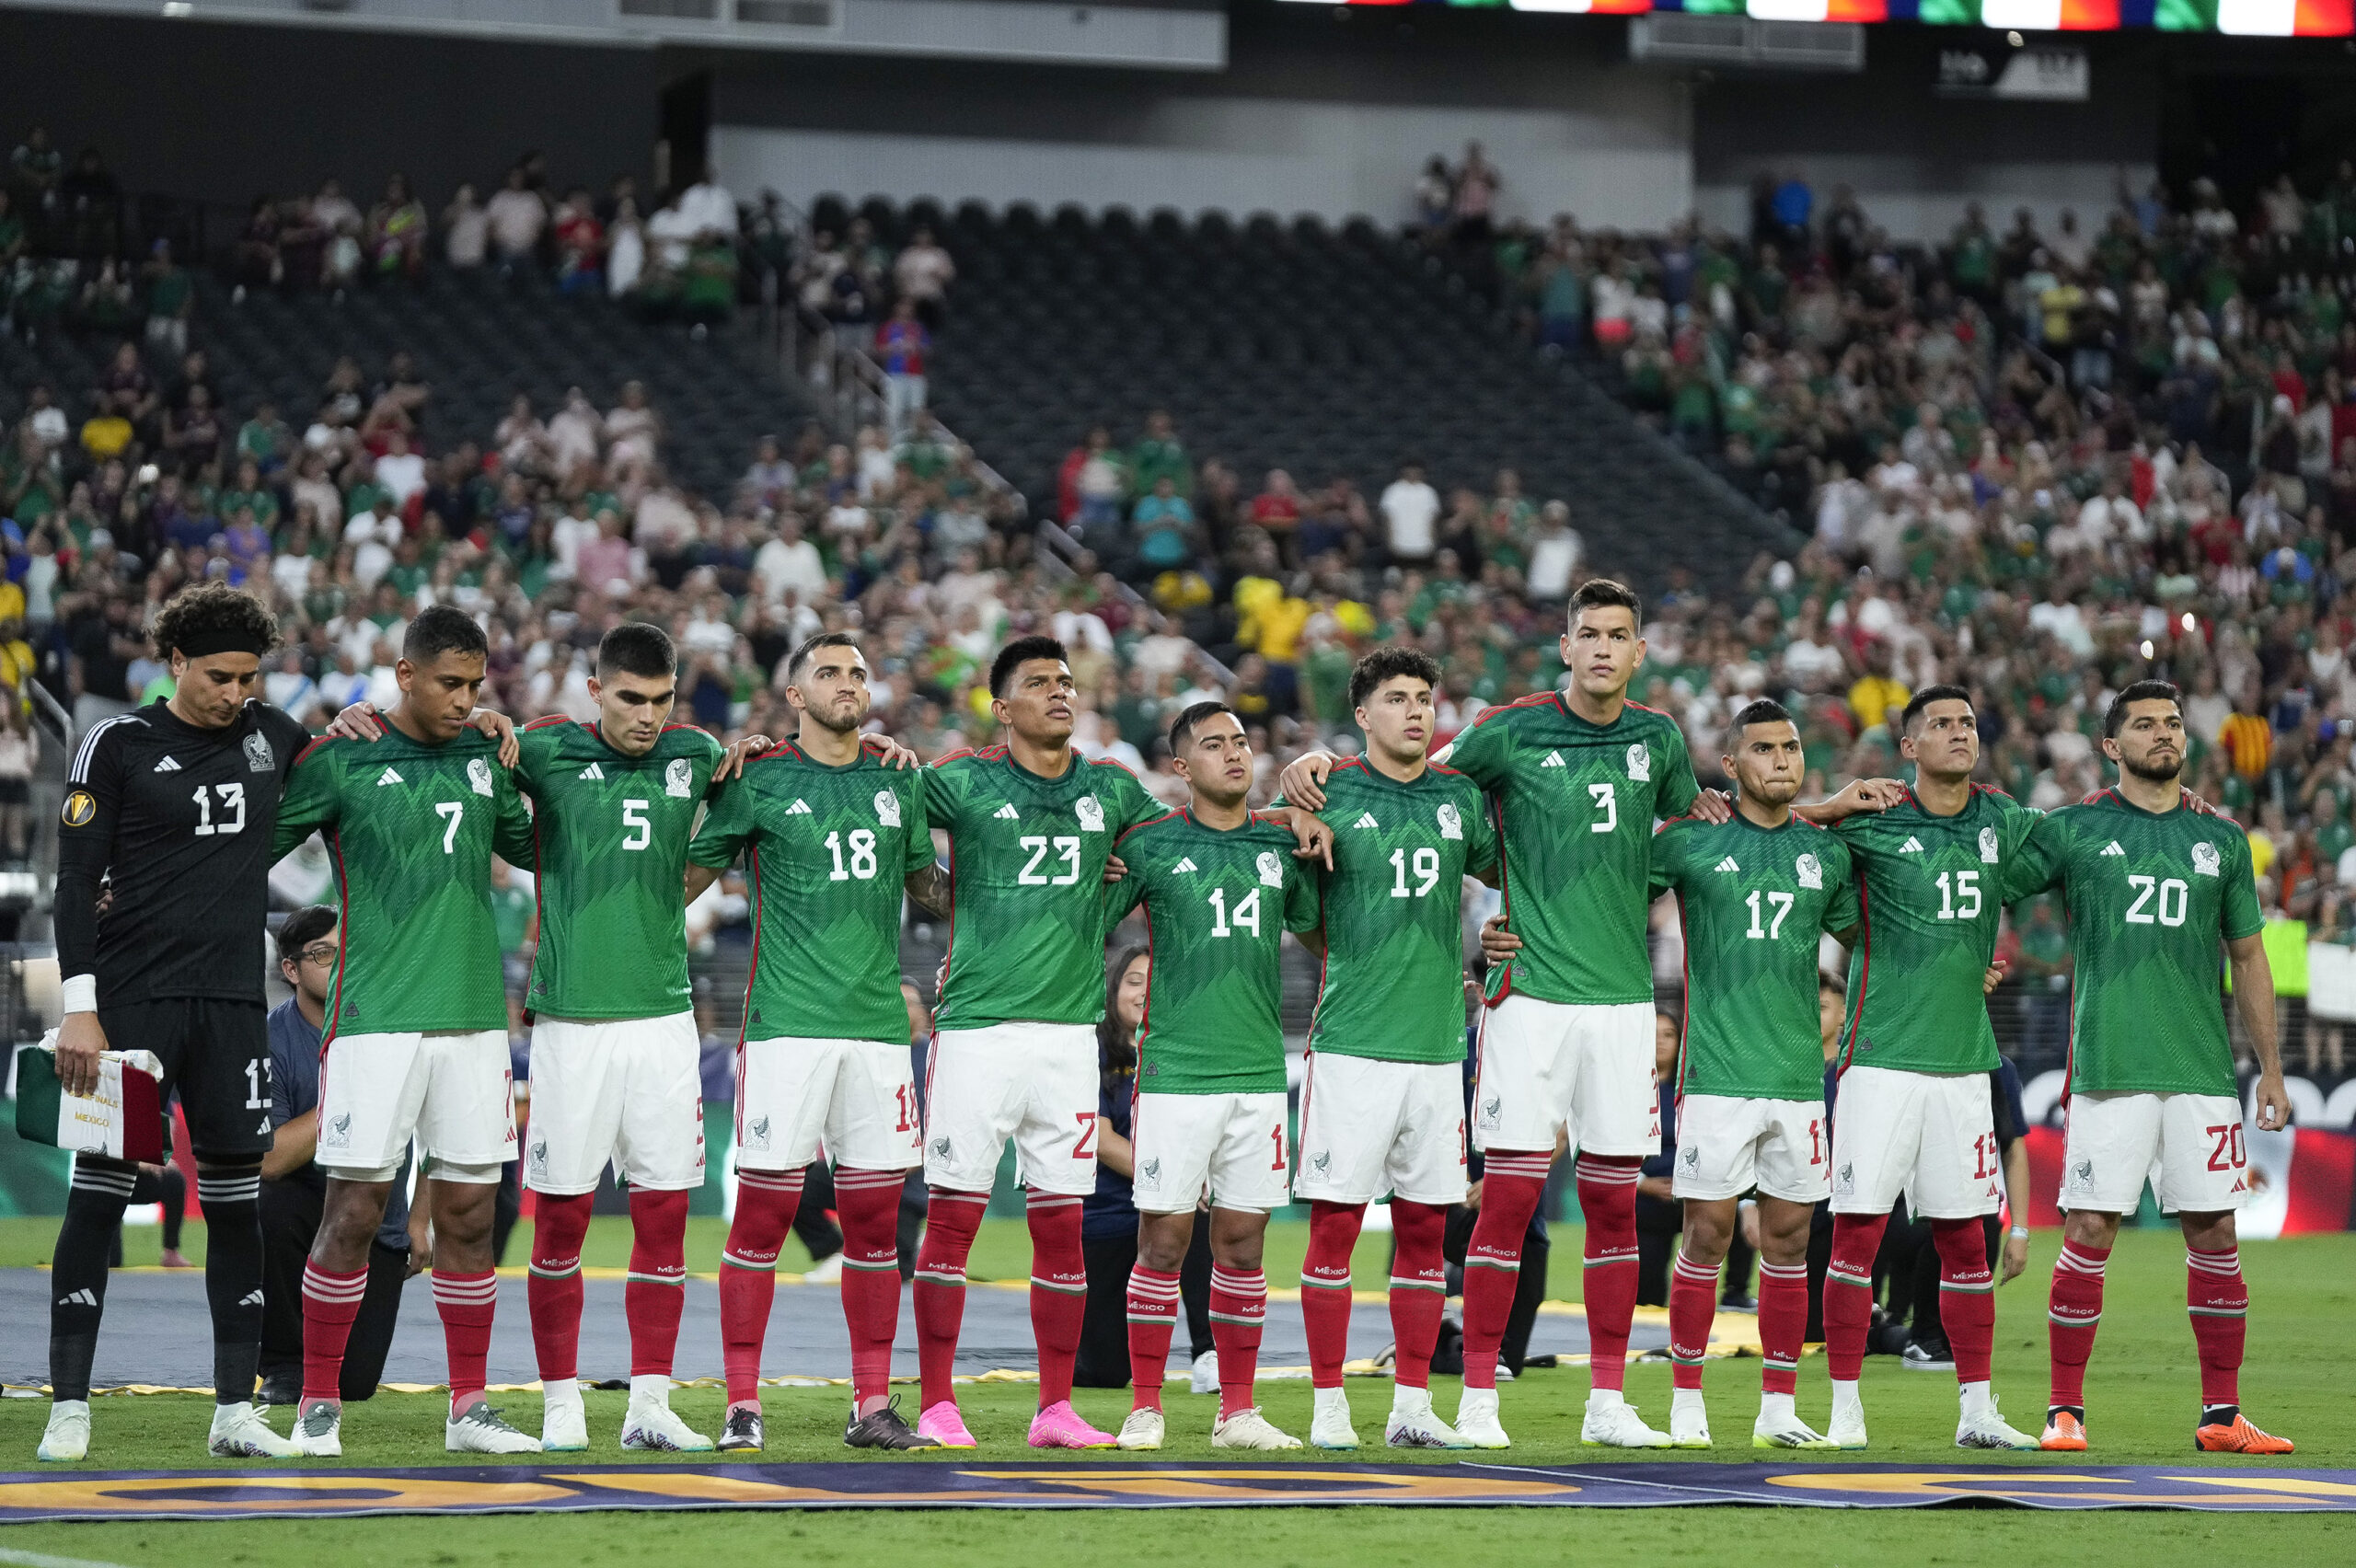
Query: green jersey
1930, 888
831, 849
1218, 904
412, 829
1393, 907
1577, 804
2150, 894
1752, 901
613, 834
1026, 870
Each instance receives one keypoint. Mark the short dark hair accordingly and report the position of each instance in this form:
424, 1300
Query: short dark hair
1760, 710
1598, 591
1924, 698
2140, 691
439, 630
1390, 663
212, 612
1019, 651
302, 928
635, 648
810, 645
1181, 729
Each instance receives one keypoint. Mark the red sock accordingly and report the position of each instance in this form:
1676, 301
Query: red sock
868, 1202
765, 1202
553, 1289
1418, 1289
1608, 1199
1692, 1307
467, 1303
2219, 1302
656, 1286
1509, 1189
950, 1219
2073, 1314
1239, 1313
1058, 1290
1849, 1293
1783, 1321
1153, 1314
330, 1301
1967, 1294
1325, 1288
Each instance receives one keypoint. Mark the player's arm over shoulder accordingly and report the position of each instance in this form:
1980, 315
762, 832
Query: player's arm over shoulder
1673, 767
2041, 858
1482, 748
1128, 800
1670, 841
312, 799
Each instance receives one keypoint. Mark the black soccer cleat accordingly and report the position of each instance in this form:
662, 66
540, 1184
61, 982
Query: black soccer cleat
742, 1432
885, 1429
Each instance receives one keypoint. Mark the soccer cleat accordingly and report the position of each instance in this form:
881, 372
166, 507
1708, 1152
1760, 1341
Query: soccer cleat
564, 1428
286, 1388
2064, 1434
827, 1269
66, 1440
1250, 1429
1060, 1426
652, 1426
741, 1433
945, 1425
1927, 1355
1476, 1420
1688, 1424
1847, 1427
1778, 1433
239, 1433
1987, 1429
318, 1430
1203, 1378
2240, 1437
1616, 1424
883, 1428
1329, 1425
1420, 1428
482, 1430
1141, 1433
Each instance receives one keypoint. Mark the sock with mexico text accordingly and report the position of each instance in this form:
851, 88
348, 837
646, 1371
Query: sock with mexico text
868, 1202
1783, 1324
1418, 1288
2073, 1312
1153, 1317
1059, 1289
1692, 1307
2219, 1303
231, 1195
553, 1290
1239, 1314
1325, 1288
466, 1302
1849, 1293
1607, 1185
765, 1202
1510, 1190
951, 1220
1967, 1296
656, 1290
330, 1302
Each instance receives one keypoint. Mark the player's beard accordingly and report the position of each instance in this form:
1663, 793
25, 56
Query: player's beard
2155, 772
831, 724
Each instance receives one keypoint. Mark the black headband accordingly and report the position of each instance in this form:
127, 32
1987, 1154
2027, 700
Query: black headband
222, 639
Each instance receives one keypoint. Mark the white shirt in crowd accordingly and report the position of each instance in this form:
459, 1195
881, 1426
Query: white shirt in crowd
516, 218
1410, 508
402, 474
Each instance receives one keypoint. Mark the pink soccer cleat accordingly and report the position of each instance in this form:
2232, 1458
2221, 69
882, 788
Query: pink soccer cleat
945, 1426
1059, 1426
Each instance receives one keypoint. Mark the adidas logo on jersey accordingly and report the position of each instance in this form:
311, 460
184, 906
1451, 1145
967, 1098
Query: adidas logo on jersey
592, 771
390, 776
2113, 849
1911, 847
1007, 813
1727, 865
1365, 819
1553, 759
1184, 866
799, 807
167, 766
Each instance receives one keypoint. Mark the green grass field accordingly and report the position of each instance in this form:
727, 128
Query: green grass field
2142, 1387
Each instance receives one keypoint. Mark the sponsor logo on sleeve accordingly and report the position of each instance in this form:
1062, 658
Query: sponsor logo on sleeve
79, 808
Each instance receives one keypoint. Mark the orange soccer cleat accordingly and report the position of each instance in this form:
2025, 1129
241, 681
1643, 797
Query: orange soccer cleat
2065, 1434
2240, 1437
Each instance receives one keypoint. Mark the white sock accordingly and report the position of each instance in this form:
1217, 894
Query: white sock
1604, 1399
1683, 1399
1407, 1401
1975, 1399
1777, 1410
558, 1393
1846, 1400
1326, 1400
1476, 1399
650, 1385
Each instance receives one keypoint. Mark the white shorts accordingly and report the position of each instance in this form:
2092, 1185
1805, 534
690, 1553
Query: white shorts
855, 1101
1233, 1143
1549, 1067
2188, 1146
1032, 1082
1726, 1147
1927, 1135
626, 1090
1370, 1128
454, 1093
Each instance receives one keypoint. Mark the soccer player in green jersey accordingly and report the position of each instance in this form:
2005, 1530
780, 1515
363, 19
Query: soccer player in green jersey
1220, 886
833, 835
1382, 1108
1912, 1115
1030, 824
2153, 887
417, 1038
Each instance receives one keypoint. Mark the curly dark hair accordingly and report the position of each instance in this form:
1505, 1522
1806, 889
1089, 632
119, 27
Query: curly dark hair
208, 611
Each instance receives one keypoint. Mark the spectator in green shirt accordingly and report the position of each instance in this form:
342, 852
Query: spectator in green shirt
1160, 454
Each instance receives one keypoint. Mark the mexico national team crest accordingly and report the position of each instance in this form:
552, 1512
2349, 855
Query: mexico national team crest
1452, 824
478, 774
1640, 764
1272, 870
1091, 813
2204, 860
1810, 871
1988, 846
679, 778
887, 808
259, 758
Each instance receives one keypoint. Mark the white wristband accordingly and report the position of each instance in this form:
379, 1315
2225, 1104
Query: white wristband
81, 994
2020, 1232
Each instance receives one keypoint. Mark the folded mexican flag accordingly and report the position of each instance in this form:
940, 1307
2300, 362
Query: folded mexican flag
123, 1118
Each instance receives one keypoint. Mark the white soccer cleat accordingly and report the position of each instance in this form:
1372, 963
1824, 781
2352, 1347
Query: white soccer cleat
318, 1429
1987, 1429
1847, 1427
482, 1430
239, 1433
1787, 1432
67, 1439
1614, 1423
1250, 1429
1476, 1420
1689, 1420
1329, 1425
654, 1425
1141, 1433
1415, 1424
564, 1427
827, 1269
1203, 1377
